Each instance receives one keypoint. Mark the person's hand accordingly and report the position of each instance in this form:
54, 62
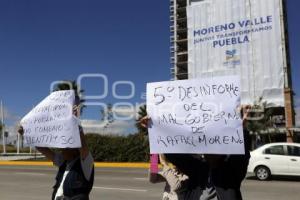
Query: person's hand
76, 110
144, 121
245, 111
21, 130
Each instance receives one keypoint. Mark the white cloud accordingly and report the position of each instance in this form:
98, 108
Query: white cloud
11, 121
117, 127
126, 112
12, 130
9, 116
125, 116
124, 123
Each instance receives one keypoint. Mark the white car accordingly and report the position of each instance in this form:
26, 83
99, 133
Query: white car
275, 159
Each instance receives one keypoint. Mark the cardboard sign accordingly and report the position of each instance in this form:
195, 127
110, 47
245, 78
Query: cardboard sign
195, 116
52, 123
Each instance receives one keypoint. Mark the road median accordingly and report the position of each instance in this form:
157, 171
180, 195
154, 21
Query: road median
97, 164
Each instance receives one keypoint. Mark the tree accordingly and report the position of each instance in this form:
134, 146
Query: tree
141, 113
107, 116
260, 117
72, 85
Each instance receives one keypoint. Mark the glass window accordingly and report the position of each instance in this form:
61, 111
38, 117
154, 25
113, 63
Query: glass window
293, 151
275, 150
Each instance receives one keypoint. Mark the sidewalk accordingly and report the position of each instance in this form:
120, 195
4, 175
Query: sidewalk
22, 161
20, 157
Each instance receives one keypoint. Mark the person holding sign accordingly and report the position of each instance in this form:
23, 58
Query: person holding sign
75, 176
182, 175
228, 171
201, 117
225, 173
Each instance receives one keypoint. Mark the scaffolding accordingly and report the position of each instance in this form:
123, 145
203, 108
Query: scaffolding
179, 39
179, 54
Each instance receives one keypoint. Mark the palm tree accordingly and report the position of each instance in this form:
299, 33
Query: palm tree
72, 85
107, 116
142, 113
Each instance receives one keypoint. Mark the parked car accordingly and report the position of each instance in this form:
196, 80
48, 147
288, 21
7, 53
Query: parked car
275, 159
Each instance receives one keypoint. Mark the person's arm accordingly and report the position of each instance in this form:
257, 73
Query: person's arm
48, 153
84, 150
87, 160
245, 112
156, 178
177, 181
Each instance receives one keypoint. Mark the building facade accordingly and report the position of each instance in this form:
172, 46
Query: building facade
179, 40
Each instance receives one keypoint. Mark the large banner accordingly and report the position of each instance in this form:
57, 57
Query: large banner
238, 37
52, 123
195, 116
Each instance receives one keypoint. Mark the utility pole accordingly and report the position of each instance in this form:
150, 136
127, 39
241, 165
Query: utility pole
2, 123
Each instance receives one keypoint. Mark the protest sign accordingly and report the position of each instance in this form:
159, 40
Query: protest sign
52, 123
195, 116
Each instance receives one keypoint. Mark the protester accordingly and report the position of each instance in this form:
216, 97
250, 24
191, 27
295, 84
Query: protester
182, 174
185, 176
75, 176
226, 172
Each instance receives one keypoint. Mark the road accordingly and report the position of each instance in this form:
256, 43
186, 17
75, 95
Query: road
34, 183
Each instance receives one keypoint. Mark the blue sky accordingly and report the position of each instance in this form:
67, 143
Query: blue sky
44, 41
294, 45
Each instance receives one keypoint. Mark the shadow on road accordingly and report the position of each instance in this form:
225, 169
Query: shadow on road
278, 178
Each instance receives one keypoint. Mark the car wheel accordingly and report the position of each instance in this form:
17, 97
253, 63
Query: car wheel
262, 173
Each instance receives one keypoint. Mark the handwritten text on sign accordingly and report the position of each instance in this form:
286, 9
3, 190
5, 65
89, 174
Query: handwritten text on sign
51, 123
195, 116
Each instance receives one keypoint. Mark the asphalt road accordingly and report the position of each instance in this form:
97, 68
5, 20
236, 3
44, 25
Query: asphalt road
34, 183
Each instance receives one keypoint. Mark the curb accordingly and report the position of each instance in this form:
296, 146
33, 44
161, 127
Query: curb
97, 164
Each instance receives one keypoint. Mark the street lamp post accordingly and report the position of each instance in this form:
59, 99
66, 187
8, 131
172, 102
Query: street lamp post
3, 133
18, 143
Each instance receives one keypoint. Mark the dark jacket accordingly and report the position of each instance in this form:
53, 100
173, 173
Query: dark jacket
75, 185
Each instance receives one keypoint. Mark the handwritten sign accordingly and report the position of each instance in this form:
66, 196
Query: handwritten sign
195, 116
52, 123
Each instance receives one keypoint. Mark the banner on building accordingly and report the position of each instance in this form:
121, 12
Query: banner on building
238, 37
